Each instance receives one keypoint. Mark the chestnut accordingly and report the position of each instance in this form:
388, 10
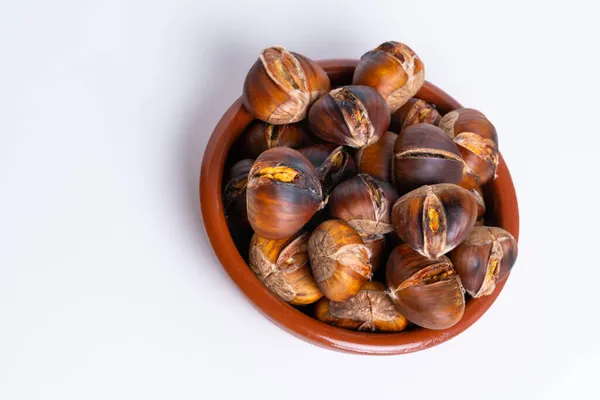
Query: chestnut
354, 116
484, 258
283, 193
339, 260
261, 136
282, 265
376, 159
425, 155
281, 85
427, 292
468, 120
370, 310
333, 163
480, 156
364, 203
234, 194
415, 111
394, 70
434, 219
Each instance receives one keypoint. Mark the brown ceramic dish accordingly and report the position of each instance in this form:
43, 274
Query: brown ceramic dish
502, 211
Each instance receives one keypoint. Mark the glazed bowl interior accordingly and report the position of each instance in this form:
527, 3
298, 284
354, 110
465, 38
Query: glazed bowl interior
501, 210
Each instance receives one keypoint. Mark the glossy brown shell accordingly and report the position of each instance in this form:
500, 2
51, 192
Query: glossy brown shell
502, 211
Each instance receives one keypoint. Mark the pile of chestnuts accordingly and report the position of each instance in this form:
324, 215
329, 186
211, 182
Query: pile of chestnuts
363, 200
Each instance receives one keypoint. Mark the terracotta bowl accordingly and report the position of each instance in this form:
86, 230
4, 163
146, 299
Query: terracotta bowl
502, 211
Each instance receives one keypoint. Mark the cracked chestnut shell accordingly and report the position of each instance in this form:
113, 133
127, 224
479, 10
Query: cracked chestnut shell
261, 136
339, 260
283, 193
364, 203
333, 163
427, 292
376, 159
282, 266
234, 194
425, 155
394, 70
370, 310
484, 258
468, 120
480, 156
281, 85
434, 219
415, 111
354, 116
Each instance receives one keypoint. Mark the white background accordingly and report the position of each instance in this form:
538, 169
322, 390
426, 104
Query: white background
108, 286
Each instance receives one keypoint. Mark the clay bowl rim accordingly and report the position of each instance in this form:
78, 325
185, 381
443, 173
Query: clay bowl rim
231, 125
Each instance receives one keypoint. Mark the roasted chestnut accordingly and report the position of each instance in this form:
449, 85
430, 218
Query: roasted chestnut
283, 193
261, 136
376, 159
424, 155
394, 70
234, 194
333, 163
477, 141
339, 260
281, 85
364, 203
415, 111
484, 258
480, 156
282, 265
434, 219
354, 116
427, 292
370, 310
468, 120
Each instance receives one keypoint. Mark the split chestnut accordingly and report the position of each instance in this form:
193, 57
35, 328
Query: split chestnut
283, 193
354, 116
427, 292
281, 85
435, 219
282, 265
